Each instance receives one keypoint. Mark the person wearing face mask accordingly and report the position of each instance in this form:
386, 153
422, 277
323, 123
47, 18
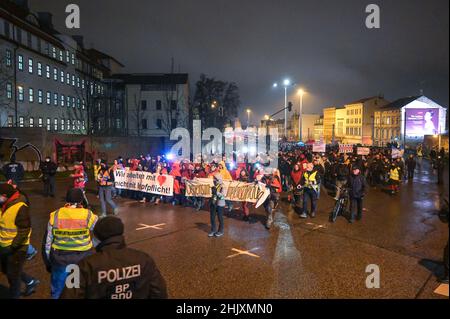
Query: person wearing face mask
15, 232
48, 169
68, 238
116, 271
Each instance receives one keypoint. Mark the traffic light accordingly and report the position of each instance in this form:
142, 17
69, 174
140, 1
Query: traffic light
290, 106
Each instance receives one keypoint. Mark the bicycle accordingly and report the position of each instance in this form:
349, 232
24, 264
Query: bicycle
341, 204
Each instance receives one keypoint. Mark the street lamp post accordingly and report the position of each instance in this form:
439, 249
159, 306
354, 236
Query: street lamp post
286, 83
301, 92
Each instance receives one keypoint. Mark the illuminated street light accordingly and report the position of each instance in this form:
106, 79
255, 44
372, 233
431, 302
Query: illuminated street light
286, 83
275, 85
300, 92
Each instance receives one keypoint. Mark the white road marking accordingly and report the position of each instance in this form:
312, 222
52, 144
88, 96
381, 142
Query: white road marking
144, 226
243, 252
316, 226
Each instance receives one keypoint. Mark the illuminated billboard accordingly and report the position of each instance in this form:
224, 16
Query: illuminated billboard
420, 122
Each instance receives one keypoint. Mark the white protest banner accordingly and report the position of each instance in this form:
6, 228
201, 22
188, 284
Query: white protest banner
363, 151
144, 182
345, 148
396, 153
319, 148
234, 191
199, 187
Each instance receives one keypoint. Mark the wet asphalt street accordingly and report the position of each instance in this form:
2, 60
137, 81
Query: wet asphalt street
297, 258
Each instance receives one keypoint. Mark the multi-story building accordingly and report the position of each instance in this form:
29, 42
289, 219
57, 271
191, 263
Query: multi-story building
329, 118
156, 103
47, 79
318, 129
307, 122
340, 124
409, 119
359, 121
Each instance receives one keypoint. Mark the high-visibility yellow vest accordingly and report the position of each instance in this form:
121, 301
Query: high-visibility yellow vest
8, 228
71, 228
310, 180
393, 174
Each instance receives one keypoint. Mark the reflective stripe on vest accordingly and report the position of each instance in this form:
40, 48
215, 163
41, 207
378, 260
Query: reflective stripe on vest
69, 232
8, 228
394, 174
310, 179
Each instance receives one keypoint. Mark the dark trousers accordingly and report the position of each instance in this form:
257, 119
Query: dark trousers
355, 208
12, 267
298, 202
49, 186
309, 195
216, 211
410, 173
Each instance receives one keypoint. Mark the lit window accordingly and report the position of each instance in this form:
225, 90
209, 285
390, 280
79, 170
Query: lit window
60, 55
21, 121
20, 93
53, 52
55, 74
62, 76
40, 122
83, 104
73, 80
9, 91
68, 101
78, 103
74, 123
55, 124
20, 63
62, 124
73, 59
31, 122
55, 99
62, 99
40, 96
30, 65
49, 98
30, 95
39, 68
48, 124
67, 78
67, 56
10, 121
47, 71
8, 57
82, 84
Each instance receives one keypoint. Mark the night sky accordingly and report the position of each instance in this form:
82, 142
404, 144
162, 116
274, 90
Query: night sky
321, 45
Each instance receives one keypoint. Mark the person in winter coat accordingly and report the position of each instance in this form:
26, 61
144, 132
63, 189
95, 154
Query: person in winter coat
48, 170
176, 173
357, 189
244, 177
217, 204
296, 177
116, 271
13, 171
411, 166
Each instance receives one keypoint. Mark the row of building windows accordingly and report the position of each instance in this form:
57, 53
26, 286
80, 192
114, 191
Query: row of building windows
62, 100
387, 134
50, 125
55, 98
354, 112
158, 105
354, 121
49, 72
353, 131
388, 120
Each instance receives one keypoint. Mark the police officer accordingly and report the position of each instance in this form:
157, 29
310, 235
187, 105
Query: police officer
15, 232
116, 271
311, 184
68, 238
13, 171
48, 169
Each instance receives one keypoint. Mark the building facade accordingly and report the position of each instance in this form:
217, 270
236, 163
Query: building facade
329, 118
47, 79
156, 103
359, 121
307, 121
409, 120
